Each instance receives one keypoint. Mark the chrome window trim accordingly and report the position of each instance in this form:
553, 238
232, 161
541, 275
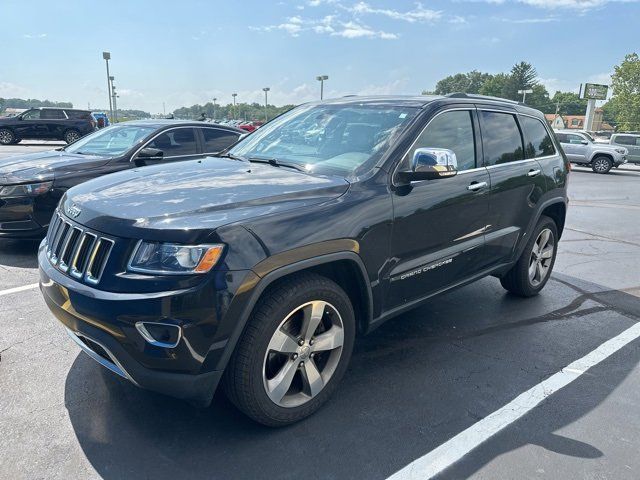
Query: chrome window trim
490, 167
455, 109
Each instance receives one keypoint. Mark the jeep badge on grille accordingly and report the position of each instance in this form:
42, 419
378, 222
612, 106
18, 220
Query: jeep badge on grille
73, 211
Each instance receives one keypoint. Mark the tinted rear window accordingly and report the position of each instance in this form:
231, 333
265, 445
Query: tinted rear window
537, 142
78, 114
216, 140
501, 139
626, 140
52, 114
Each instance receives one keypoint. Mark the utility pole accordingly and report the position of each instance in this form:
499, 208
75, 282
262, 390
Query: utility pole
164, 111
107, 56
234, 95
214, 108
321, 79
266, 116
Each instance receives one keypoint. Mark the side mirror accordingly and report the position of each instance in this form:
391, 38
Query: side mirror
148, 153
584, 142
431, 164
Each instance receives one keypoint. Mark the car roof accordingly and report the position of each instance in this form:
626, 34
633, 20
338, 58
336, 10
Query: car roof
421, 101
163, 122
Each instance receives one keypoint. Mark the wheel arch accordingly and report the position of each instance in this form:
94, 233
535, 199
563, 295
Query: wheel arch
597, 154
345, 268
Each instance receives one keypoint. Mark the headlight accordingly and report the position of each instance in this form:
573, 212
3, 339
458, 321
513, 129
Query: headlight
26, 190
174, 259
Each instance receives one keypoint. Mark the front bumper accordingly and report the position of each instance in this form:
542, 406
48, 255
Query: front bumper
103, 325
25, 217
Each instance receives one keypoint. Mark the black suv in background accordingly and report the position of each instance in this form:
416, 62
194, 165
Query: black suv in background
259, 269
66, 124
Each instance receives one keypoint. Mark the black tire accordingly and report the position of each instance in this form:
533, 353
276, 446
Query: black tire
601, 164
517, 280
71, 136
244, 380
7, 137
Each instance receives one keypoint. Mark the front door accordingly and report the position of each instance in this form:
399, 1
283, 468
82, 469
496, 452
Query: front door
438, 226
30, 126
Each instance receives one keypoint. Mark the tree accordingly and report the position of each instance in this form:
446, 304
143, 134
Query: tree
470, 82
626, 91
495, 85
568, 103
522, 77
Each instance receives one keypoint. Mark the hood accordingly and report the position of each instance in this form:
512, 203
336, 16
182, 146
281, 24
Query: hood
607, 146
39, 166
180, 200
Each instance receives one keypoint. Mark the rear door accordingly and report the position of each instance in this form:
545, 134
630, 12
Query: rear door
214, 140
517, 182
438, 226
54, 121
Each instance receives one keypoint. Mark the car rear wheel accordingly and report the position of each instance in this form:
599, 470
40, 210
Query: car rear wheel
71, 136
7, 137
601, 165
293, 352
533, 269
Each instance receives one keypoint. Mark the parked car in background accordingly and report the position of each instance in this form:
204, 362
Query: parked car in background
102, 119
31, 185
47, 123
631, 142
247, 126
258, 270
581, 148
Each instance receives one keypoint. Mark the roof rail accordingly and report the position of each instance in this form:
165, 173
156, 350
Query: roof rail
481, 97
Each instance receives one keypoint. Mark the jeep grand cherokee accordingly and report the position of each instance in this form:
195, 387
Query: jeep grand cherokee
259, 268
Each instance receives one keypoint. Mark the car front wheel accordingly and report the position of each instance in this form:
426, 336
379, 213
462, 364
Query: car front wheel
7, 137
532, 270
293, 352
601, 165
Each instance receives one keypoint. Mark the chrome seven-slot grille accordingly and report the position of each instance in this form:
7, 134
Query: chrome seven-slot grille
75, 251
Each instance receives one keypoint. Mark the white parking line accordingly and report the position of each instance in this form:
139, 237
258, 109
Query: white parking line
453, 450
18, 289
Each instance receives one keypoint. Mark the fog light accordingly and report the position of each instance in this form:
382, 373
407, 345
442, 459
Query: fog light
164, 335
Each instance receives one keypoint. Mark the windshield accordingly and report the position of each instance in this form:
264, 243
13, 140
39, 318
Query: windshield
111, 141
333, 139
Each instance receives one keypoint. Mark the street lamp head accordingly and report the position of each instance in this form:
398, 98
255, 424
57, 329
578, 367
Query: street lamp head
322, 77
266, 89
112, 78
106, 55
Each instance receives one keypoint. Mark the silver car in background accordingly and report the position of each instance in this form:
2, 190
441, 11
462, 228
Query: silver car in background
631, 142
581, 148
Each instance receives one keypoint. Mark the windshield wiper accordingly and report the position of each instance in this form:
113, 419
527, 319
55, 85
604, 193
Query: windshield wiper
233, 156
277, 163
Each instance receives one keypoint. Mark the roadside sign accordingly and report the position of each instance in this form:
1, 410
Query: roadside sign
594, 91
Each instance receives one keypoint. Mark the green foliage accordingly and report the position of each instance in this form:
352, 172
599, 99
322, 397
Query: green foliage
244, 111
31, 103
568, 103
462, 82
625, 106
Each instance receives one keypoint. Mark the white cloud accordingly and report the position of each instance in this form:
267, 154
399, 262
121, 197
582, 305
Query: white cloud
34, 35
329, 25
11, 90
419, 14
356, 30
581, 5
529, 20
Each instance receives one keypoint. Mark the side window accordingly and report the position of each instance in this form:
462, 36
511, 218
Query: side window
501, 139
562, 137
178, 142
52, 115
574, 139
216, 139
625, 140
536, 138
452, 130
32, 115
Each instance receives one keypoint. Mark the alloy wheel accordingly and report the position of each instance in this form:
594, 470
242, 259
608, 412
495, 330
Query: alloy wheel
601, 165
6, 137
303, 354
71, 137
541, 257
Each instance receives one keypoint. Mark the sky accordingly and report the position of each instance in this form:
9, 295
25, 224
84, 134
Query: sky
191, 51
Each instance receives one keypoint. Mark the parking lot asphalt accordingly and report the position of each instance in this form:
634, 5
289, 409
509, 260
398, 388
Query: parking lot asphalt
413, 384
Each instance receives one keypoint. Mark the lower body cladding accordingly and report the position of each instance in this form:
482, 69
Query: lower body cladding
175, 343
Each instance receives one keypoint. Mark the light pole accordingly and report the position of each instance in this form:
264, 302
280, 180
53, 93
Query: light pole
234, 95
113, 94
107, 56
321, 79
214, 108
524, 94
266, 117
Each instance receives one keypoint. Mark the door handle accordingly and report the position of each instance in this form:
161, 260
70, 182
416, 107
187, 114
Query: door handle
533, 173
476, 186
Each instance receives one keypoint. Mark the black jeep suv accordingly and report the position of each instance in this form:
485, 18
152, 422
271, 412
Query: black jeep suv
66, 124
258, 269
